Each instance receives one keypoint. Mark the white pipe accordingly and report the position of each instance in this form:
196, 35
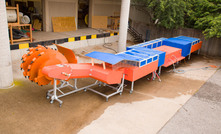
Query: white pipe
6, 75
11, 15
124, 16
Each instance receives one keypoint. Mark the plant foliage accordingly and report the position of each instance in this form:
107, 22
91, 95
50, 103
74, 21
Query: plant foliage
200, 14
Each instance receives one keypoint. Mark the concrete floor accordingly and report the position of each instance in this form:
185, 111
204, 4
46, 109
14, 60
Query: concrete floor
44, 36
201, 114
26, 110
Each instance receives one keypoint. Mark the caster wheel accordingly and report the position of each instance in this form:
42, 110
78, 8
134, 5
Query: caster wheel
48, 97
60, 105
51, 101
120, 93
85, 90
106, 99
131, 92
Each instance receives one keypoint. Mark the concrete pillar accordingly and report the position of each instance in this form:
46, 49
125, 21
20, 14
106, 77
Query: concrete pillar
6, 75
91, 12
124, 16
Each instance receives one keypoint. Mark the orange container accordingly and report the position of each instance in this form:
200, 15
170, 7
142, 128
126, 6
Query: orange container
196, 47
135, 73
173, 55
107, 75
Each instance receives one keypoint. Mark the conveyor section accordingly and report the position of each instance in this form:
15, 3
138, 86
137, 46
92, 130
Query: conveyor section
187, 44
142, 64
152, 52
179, 43
173, 55
196, 43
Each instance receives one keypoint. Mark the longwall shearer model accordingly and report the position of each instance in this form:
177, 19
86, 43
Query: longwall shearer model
44, 65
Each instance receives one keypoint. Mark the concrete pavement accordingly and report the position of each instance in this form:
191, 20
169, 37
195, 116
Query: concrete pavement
201, 114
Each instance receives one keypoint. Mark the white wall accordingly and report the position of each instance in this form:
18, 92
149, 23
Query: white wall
106, 7
138, 16
58, 8
103, 8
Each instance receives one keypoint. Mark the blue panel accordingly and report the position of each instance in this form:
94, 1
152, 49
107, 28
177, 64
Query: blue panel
155, 58
145, 44
153, 52
149, 60
131, 47
137, 55
195, 40
142, 52
106, 57
149, 46
155, 45
143, 63
179, 43
128, 57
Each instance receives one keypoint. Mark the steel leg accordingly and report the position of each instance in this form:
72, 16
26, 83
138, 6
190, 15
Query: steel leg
54, 96
189, 56
198, 52
157, 76
190, 51
159, 71
154, 76
132, 87
75, 84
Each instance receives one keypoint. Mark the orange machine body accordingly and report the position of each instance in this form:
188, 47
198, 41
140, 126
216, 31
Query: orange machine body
135, 73
173, 55
196, 47
83, 70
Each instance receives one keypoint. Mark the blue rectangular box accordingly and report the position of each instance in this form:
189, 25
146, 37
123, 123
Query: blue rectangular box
185, 45
149, 44
193, 40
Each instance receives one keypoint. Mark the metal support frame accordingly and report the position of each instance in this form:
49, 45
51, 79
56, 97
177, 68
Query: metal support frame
198, 52
155, 75
190, 51
132, 87
52, 93
159, 70
119, 90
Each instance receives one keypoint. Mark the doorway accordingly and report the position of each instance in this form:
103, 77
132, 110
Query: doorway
83, 12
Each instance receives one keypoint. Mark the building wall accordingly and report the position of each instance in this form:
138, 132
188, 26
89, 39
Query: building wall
58, 8
104, 8
137, 15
